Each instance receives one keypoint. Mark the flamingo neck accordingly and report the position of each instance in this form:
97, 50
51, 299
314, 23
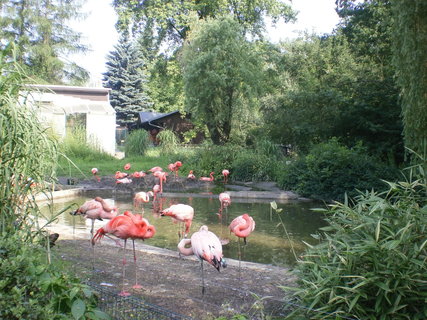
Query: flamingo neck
183, 249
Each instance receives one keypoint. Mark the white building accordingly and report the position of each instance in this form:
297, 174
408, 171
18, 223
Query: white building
64, 107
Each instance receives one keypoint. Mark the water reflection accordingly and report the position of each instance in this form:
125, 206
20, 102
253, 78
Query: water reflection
268, 244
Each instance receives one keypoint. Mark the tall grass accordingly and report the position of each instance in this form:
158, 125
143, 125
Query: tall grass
27, 155
137, 143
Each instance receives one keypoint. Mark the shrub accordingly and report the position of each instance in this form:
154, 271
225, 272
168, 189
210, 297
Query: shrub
250, 166
168, 141
137, 143
330, 170
371, 263
32, 289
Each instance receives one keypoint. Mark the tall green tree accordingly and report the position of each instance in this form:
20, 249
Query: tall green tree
126, 77
221, 74
41, 34
326, 91
410, 61
170, 20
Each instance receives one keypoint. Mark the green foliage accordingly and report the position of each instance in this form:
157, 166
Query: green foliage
32, 289
327, 91
168, 141
331, 170
27, 153
126, 77
371, 263
75, 145
41, 32
409, 59
221, 73
137, 143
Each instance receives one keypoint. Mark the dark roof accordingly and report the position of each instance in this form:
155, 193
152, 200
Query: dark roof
146, 118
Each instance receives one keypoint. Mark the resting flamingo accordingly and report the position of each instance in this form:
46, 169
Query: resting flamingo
242, 226
96, 209
205, 245
182, 213
120, 175
225, 173
127, 226
154, 169
191, 176
210, 178
95, 173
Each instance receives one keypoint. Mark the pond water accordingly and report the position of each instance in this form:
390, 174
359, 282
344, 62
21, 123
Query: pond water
277, 237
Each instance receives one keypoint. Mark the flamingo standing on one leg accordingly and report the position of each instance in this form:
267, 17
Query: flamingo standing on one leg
162, 178
177, 164
225, 173
225, 200
95, 174
156, 190
182, 213
127, 226
96, 209
142, 197
209, 179
205, 245
242, 226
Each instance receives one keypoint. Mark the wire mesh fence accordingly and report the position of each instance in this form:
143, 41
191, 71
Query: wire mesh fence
132, 308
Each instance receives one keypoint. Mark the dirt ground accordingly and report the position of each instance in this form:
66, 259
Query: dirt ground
173, 282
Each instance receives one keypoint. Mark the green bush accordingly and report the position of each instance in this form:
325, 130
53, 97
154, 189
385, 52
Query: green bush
32, 289
168, 141
371, 262
137, 143
330, 170
250, 166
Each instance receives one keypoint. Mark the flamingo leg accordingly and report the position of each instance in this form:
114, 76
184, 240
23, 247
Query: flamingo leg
124, 293
136, 286
92, 245
239, 255
203, 278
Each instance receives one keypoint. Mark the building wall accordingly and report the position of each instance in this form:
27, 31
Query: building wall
101, 130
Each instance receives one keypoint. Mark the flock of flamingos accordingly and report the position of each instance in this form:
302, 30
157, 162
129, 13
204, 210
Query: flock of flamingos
204, 244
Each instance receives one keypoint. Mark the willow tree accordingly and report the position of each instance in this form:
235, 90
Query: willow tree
221, 73
410, 60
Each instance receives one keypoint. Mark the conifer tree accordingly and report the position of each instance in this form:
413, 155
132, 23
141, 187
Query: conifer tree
125, 76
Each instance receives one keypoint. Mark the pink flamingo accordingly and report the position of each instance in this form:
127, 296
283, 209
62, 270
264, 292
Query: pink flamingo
95, 172
242, 226
225, 200
127, 226
205, 245
141, 198
127, 166
225, 173
191, 176
182, 213
177, 164
120, 175
211, 178
162, 177
123, 181
138, 174
96, 209
156, 190
154, 169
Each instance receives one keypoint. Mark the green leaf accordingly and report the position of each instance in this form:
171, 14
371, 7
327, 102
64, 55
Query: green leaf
78, 309
377, 230
273, 204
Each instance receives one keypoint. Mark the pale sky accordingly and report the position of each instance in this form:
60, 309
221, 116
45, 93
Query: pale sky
99, 33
